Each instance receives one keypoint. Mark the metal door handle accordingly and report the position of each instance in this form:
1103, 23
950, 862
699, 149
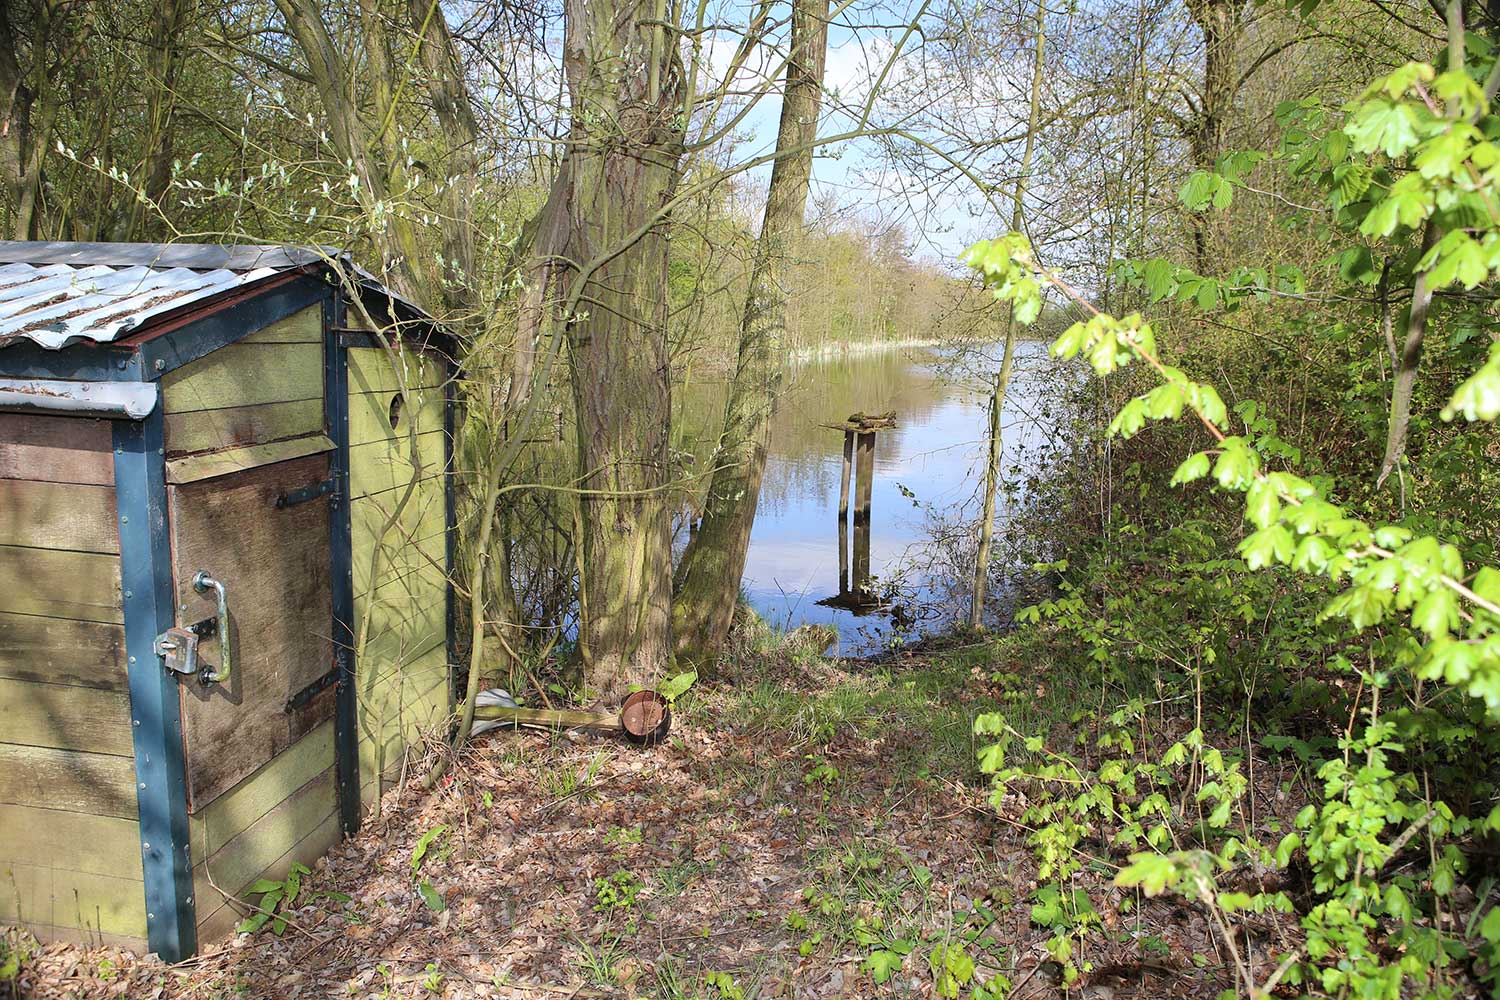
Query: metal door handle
202, 582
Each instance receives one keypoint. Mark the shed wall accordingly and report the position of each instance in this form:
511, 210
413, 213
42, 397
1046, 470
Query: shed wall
70, 855
401, 597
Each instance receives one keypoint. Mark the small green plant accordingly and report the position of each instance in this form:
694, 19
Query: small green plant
617, 892
820, 774
952, 969
620, 837
433, 981
276, 899
723, 986
437, 835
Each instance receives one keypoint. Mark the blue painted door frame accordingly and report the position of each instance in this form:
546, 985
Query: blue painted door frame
155, 711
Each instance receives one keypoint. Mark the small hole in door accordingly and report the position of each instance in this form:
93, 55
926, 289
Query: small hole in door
395, 414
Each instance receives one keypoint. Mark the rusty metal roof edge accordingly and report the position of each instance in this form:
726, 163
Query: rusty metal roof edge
195, 256
128, 400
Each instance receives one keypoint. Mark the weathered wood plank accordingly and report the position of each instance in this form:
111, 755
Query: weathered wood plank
101, 784
370, 415
61, 898
56, 449
81, 585
65, 717
249, 855
194, 468
54, 838
232, 813
238, 426
302, 327
58, 516
245, 375
370, 371
62, 651
215, 924
275, 565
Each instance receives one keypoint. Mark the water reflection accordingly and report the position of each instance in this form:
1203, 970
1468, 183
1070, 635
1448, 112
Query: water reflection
931, 461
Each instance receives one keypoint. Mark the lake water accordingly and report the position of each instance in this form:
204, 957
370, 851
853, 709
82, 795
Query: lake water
929, 474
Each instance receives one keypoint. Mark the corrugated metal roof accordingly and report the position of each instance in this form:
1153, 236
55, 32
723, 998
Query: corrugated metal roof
56, 294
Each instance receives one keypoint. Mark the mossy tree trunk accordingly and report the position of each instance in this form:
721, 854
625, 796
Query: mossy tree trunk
622, 167
708, 577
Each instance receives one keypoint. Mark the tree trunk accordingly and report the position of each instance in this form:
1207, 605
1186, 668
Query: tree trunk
622, 167
708, 578
1219, 22
1001, 386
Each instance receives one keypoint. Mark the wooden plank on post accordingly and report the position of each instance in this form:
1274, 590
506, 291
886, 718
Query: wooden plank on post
864, 478
844, 513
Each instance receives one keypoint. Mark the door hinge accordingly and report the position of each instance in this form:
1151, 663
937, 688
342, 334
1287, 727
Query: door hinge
292, 498
317, 687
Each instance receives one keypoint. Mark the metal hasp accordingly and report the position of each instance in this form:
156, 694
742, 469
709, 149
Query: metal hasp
202, 583
292, 498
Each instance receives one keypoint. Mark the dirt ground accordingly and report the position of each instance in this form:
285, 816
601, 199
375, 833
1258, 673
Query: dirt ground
775, 843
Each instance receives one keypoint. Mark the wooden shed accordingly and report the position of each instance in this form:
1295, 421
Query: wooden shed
198, 448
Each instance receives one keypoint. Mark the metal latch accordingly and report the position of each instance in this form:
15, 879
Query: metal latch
292, 498
178, 646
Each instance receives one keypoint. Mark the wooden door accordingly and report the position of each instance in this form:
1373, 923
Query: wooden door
274, 562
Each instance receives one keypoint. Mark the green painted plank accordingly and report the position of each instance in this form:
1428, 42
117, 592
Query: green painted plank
57, 897
385, 465
370, 415
229, 815
96, 783
371, 371
217, 923
250, 854
245, 375
238, 426
62, 651
81, 585
63, 717
302, 327
399, 704
210, 465
55, 838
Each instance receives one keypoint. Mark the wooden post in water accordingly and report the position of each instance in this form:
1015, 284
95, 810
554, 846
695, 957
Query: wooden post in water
864, 478
844, 514
859, 464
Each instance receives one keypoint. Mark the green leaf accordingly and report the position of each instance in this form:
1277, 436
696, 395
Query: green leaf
1193, 468
1151, 873
675, 687
419, 852
1262, 505
882, 965
431, 897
